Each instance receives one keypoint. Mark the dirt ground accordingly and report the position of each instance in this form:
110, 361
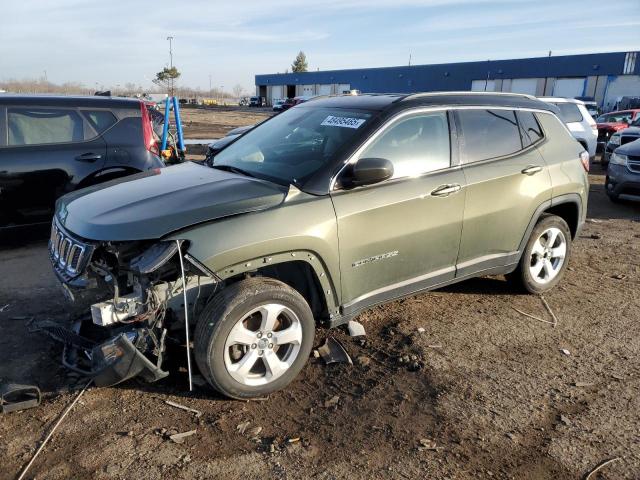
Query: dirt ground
215, 122
449, 384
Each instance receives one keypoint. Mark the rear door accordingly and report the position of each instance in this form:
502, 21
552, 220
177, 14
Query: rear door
48, 151
507, 179
402, 235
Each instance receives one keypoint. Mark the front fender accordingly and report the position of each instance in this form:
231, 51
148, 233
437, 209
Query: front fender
302, 228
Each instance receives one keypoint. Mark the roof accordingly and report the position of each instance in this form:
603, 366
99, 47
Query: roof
450, 76
379, 102
69, 101
562, 100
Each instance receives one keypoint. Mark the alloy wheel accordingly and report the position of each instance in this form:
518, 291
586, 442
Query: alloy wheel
263, 344
548, 255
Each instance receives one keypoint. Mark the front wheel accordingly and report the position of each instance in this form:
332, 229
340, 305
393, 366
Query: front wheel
254, 338
544, 260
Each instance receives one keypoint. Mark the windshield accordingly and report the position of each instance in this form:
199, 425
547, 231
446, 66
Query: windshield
294, 145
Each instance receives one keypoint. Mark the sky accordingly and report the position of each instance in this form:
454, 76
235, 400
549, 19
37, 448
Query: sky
114, 42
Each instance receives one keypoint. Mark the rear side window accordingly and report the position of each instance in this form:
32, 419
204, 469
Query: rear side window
100, 119
488, 134
531, 131
415, 145
33, 126
569, 112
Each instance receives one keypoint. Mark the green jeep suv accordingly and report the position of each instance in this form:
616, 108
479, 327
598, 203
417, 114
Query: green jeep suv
325, 210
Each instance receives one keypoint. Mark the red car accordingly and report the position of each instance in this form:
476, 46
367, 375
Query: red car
610, 123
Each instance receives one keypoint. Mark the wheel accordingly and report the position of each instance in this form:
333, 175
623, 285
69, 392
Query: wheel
546, 255
253, 338
612, 196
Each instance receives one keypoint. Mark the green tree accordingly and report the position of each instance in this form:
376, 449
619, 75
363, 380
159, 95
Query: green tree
300, 63
167, 78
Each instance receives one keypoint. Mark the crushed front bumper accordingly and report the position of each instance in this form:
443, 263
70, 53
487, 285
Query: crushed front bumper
107, 362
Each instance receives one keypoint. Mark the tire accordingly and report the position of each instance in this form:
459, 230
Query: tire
227, 338
553, 267
612, 196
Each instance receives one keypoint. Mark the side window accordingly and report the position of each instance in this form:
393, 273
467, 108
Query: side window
100, 119
34, 126
488, 134
415, 145
531, 131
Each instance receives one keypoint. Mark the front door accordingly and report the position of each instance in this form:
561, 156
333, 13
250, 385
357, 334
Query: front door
401, 235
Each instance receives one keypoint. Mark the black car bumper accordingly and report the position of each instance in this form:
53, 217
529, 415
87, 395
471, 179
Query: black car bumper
621, 181
107, 361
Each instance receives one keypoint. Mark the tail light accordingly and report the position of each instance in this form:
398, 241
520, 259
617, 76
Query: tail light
594, 127
147, 131
584, 159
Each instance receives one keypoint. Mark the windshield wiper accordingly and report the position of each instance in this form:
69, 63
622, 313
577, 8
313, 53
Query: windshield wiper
229, 168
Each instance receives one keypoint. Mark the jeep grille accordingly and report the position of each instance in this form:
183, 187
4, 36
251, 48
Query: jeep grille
68, 255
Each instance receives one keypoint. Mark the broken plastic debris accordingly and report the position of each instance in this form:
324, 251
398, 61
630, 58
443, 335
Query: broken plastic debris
332, 402
565, 351
179, 437
332, 351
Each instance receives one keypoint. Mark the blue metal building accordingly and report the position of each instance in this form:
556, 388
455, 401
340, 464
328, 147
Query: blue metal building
604, 76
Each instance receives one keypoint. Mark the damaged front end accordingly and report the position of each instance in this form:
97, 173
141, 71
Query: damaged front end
132, 296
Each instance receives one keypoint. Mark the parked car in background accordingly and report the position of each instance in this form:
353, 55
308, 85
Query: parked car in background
278, 105
313, 216
621, 137
214, 147
53, 145
610, 123
257, 102
623, 173
578, 120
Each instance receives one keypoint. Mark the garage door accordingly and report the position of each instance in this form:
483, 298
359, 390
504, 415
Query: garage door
621, 86
479, 86
307, 90
569, 87
277, 93
524, 85
324, 90
344, 88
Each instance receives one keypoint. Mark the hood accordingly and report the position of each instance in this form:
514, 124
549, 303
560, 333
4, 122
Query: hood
612, 125
631, 148
152, 204
630, 131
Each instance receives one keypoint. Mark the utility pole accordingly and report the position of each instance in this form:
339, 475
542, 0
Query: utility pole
46, 81
170, 38
209, 85
409, 59
544, 89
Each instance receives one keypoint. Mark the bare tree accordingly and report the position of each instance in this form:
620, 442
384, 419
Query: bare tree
237, 90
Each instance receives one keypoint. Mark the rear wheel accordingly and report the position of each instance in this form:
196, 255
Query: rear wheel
544, 260
254, 338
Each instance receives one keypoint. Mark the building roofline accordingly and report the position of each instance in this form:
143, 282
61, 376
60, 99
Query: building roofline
444, 64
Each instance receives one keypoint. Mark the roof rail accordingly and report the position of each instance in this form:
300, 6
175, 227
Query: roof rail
435, 94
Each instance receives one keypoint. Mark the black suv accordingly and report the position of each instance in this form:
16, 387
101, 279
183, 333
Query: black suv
52, 145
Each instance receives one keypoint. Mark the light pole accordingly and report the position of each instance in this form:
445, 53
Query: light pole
170, 38
209, 85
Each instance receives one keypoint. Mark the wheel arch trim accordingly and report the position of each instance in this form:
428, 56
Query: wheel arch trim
329, 290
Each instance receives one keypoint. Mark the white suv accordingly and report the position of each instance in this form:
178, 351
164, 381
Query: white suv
580, 123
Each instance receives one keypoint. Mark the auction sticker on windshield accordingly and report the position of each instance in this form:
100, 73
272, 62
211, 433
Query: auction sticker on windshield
345, 122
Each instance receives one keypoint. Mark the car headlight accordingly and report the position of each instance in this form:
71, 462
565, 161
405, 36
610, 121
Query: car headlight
618, 159
154, 257
614, 140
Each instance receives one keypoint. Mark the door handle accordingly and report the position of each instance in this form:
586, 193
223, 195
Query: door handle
446, 190
88, 157
532, 170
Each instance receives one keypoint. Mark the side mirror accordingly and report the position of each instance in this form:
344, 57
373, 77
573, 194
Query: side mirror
368, 171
